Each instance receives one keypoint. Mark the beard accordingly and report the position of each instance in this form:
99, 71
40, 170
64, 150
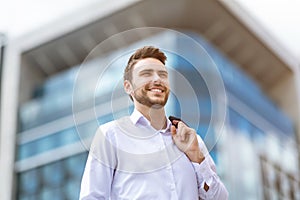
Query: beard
152, 101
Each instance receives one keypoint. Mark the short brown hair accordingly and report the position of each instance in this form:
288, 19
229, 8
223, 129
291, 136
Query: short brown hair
144, 52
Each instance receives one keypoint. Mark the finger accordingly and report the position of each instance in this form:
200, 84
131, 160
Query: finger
182, 131
181, 124
173, 130
175, 123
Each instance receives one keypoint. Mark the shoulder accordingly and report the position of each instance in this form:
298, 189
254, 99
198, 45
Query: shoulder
115, 124
111, 128
105, 134
107, 126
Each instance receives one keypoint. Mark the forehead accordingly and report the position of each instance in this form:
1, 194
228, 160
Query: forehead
149, 63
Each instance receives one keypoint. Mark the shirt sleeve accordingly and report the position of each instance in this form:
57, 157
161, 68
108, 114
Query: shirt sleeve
96, 180
206, 174
99, 170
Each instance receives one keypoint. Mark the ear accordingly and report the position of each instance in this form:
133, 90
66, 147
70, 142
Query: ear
127, 87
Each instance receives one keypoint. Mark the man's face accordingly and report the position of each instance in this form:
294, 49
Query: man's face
150, 83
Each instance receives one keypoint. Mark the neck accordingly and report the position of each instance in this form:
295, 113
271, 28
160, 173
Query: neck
156, 116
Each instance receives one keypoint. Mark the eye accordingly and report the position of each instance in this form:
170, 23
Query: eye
146, 74
163, 75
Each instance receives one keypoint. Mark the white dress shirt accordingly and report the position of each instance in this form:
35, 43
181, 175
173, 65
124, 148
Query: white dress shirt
130, 160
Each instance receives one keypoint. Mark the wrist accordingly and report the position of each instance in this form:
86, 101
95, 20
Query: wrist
195, 156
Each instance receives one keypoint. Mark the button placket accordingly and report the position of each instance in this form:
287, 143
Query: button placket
172, 185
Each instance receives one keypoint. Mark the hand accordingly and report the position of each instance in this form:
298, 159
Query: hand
185, 139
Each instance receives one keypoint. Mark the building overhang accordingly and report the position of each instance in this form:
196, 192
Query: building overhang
67, 42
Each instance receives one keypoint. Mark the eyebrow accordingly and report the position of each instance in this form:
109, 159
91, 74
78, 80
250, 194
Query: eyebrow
163, 71
146, 70
151, 70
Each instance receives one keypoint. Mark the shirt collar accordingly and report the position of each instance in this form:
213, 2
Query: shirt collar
138, 118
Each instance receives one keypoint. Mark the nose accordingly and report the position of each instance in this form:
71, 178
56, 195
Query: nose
156, 77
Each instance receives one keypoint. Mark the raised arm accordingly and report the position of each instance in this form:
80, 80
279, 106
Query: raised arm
209, 184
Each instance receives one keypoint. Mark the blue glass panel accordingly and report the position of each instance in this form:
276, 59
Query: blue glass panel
202, 130
74, 166
28, 197
48, 193
234, 118
87, 129
28, 112
240, 123
67, 136
53, 174
72, 189
25, 151
29, 182
214, 154
106, 118
59, 180
47, 143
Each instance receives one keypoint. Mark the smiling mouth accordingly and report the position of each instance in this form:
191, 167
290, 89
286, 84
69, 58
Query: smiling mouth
157, 90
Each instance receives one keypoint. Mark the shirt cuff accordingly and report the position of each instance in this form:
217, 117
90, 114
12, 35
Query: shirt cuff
203, 172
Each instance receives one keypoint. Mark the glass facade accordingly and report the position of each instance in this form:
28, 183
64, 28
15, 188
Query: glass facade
57, 180
239, 150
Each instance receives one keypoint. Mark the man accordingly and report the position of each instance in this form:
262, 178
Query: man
144, 156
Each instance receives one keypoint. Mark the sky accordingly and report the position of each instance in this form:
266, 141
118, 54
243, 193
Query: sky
281, 18
18, 17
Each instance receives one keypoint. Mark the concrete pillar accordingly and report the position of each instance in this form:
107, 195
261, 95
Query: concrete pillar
8, 126
297, 82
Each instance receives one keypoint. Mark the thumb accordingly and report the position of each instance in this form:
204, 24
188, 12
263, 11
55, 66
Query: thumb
173, 130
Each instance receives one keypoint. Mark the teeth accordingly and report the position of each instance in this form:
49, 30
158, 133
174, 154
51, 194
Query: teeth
156, 90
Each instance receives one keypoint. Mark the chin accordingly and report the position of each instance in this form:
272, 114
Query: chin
157, 106
158, 102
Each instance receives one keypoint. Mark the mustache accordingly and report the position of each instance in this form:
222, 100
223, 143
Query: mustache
159, 85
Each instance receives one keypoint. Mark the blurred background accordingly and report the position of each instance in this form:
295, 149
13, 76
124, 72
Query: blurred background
42, 155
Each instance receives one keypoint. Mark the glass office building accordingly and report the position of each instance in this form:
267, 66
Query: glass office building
50, 149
